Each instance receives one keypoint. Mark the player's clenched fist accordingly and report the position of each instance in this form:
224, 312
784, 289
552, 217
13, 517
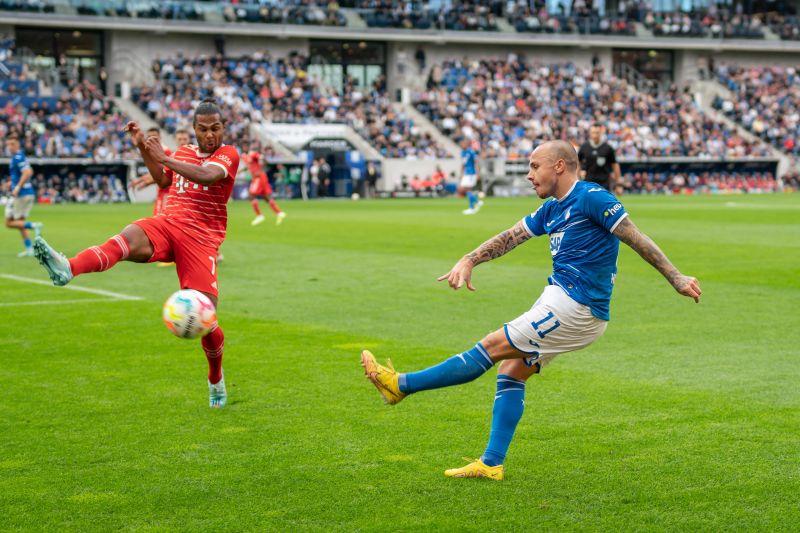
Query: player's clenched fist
154, 148
460, 274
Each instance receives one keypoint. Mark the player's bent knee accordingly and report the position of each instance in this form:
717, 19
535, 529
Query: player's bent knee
497, 346
141, 249
518, 369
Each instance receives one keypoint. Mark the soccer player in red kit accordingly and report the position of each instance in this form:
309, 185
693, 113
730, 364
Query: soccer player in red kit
260, 187
189, 232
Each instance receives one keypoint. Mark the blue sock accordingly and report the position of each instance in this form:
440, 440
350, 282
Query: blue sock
27, 243
509, 403
458, 369
28, 225
472, 198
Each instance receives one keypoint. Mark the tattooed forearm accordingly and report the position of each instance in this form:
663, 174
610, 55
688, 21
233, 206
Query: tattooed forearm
628, 233
500, 244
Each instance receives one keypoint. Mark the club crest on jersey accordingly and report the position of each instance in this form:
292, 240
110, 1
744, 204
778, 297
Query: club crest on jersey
555, 242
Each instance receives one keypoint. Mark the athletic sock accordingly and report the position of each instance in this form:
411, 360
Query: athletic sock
27, 243
257, 209
458, 369
212, 346
28, 225
274, 206
473, 199
100, 258
509, 403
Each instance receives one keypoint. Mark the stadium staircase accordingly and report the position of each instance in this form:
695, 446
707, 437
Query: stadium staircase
707, 92
424, 124
143, 119
354, 20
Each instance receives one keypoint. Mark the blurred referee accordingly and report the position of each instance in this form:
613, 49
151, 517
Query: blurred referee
598, 163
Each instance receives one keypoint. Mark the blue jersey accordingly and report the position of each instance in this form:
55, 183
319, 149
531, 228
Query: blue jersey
469, 156
583, 248
15, 168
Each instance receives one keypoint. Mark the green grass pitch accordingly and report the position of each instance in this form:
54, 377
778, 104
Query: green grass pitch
682, 417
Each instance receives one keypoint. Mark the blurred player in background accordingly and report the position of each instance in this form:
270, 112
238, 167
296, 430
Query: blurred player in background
22, 195
469, 177
585, 224
598, 160
260, 187
189, 232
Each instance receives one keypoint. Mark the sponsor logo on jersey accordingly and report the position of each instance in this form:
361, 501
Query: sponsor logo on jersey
225, 159
613, 211
555, 242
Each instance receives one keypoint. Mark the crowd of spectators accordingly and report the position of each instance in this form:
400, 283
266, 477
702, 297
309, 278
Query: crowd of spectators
458, 15
709, 23
697, 183
787, 27
505, 106
583, 17
765, 100
265, 11
73, 188
82, 123
261, 88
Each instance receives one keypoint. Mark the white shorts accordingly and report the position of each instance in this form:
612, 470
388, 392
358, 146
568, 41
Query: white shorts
468, 181
19, 207
555, 324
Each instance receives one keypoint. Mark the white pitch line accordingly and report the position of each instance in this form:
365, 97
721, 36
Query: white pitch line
56, 302
116, 295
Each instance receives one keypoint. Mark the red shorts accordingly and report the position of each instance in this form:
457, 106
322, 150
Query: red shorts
196, 263
260, 187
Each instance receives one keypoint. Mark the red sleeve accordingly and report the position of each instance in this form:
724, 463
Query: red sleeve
227, 158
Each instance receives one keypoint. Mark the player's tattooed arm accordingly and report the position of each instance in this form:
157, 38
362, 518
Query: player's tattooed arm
627, 232
499, 245
495, 247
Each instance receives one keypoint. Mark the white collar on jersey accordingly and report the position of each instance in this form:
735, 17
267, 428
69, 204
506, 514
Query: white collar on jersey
203, 154
568, 192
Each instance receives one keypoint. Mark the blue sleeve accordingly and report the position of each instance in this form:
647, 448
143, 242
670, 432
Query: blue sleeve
603, 208
535, 221
21, 162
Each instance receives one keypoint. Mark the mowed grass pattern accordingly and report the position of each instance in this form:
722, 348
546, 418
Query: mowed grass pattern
682, 417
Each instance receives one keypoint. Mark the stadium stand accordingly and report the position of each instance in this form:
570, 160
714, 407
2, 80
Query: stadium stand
713, 22
766, 101
701, 183
260, 88
506, 104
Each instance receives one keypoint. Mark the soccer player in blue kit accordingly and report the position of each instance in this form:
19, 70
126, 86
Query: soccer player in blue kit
469, 177
22, 195
585, 224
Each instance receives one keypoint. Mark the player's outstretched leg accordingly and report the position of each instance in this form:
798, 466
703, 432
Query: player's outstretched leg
93, 259
458, 369
213, 345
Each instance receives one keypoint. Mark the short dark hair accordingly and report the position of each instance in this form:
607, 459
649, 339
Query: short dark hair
207, 107
182, 131
598, 125
12, 137
153, 130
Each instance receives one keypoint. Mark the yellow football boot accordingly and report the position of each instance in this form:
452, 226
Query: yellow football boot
476, 468
384, 379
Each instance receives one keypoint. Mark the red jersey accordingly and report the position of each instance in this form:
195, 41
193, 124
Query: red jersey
253, 160
200, 211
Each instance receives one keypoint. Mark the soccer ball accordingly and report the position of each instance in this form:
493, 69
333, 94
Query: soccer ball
355, 196
189, 314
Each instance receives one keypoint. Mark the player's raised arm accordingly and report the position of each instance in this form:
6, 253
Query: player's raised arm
495, 247
627, 232
156, 170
